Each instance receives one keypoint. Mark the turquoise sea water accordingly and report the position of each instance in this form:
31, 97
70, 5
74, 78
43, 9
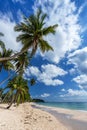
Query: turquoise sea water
67, 105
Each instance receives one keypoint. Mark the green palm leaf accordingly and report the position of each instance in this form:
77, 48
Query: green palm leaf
33, 32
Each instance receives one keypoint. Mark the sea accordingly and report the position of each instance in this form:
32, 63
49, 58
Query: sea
66, 105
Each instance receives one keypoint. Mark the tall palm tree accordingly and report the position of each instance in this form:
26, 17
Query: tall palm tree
18, 90
33, 30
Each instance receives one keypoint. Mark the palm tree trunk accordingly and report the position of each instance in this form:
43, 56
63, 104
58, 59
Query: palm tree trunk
4, 98
33, 51
11, 102
12, 57
5, 80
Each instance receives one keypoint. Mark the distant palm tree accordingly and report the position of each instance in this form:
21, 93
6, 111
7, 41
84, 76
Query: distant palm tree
18, 90
32, 82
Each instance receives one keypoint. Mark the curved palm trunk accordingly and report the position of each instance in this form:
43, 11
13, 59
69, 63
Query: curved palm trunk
4, 98
5, 80
12, 57
2, 82
11, 102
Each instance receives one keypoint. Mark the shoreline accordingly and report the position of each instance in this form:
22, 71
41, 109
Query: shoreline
60, 107
75, 119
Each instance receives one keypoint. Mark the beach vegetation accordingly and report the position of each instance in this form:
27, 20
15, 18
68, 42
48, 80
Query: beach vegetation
32, 31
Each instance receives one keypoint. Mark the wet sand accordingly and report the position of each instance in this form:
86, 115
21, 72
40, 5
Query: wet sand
72, 119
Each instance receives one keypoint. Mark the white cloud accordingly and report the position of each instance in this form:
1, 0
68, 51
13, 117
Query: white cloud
33, 70
67, 37
79, 59
61, 96
48, 75
81, 80
72, 71
45, 95
63, 90
53, 82
78, 95
72, 92
7, 28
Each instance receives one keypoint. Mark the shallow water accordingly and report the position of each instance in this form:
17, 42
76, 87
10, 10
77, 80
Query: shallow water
66, 119
67, 105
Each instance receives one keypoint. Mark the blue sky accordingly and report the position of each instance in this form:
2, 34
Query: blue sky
61, 75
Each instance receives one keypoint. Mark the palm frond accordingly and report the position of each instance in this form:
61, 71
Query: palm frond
2, 45
44, 46
50, 29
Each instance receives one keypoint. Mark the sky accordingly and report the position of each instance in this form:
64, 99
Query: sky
61, 75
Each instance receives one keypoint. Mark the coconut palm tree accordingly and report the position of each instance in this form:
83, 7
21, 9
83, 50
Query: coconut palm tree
18, 90
33, 30
6, 65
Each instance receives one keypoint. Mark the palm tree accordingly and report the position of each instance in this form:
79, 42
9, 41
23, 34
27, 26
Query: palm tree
18, 90
6, 65
1, 92
32, 82
21, 62
33, 30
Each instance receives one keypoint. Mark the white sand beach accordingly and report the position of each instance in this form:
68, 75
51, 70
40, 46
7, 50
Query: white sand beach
25, 117
30, 116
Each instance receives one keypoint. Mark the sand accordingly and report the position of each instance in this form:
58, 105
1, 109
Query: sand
25, 117
72, 119
30, 116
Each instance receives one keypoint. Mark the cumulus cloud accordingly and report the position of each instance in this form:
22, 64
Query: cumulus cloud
45, 95
7, 28
72, 92
77, 94
72, 71
81, 80
67, 36
48, 75
79, 59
